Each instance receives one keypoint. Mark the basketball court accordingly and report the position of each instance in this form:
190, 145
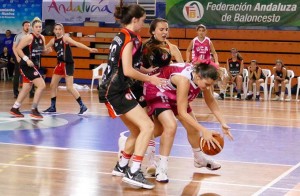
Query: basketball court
67, 154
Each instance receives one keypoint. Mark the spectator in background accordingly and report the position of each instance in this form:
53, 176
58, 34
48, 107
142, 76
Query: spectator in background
6, 61
17, 59
280, 77
201, 47
255, 76
8, 41
234, 67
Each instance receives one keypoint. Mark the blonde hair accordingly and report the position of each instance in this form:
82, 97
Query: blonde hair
36, 20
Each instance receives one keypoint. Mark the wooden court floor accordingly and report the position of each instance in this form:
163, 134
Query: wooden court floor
69, 155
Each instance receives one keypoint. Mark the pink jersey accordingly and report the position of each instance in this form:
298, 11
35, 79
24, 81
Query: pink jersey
201, 49
165, 96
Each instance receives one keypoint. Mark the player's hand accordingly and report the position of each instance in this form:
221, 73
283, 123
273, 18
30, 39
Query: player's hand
93, 50
226, 131
209, 139
157, 81
29, 63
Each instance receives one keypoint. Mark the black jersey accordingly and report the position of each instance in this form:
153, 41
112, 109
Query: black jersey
262, 76
155, 54
34, 50
114, 81
63, 50
234, 66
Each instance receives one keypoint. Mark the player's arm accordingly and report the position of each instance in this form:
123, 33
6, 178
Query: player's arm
214, 53
15, 43
176, 53
183, 85
214, 108
188, 52
25, 41
129, 71
242, 68
78, 44
284, 74
47, 49
258, 74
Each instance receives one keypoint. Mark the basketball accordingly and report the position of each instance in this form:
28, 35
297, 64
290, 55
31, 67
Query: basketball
212, 151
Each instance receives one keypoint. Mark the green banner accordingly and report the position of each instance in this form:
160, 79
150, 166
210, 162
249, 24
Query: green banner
261, 13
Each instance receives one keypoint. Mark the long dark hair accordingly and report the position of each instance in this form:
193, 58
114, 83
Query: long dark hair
125, 13
207, 70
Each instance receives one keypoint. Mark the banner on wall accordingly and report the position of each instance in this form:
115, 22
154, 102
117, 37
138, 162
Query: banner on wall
78, 11
14, 12
259, 13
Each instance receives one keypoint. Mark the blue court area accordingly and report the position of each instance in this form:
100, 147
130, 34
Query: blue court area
257, 144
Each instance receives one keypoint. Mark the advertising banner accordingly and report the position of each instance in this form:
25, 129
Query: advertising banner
14, 12
78, 11
258, 13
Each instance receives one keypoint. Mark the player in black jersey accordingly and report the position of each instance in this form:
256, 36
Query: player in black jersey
65, 66
234, 67
115, 92
280, 77
29, 50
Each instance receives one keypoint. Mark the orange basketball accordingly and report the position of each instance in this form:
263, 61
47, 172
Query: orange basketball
212, 151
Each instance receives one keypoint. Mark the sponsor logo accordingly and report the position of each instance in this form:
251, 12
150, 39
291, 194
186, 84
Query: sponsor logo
128, 96
193, 11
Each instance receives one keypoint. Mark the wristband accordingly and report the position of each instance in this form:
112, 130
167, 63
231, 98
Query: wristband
25, 58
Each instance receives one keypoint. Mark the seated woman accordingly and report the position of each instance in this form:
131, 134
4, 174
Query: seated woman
6, 60
280, 77
234, 67
255, 76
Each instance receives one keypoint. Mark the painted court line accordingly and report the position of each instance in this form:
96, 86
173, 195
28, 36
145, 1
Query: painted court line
171, 179
269, 185
114, 152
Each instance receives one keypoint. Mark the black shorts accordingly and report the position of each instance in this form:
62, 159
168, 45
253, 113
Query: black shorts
29, 73
120, 103
137, 90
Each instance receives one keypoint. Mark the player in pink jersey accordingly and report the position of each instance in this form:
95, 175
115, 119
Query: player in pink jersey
184, 83
201, 47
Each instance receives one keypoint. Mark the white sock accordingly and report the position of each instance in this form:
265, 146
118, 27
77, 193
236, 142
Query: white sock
198, 154
17, 105
151, 152
163, 160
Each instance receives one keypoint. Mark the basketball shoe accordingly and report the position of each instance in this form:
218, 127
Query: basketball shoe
137, 179
83, 110
35, 113
161, 173
150, 156
209, 164
50, 110
119, 171
16, 112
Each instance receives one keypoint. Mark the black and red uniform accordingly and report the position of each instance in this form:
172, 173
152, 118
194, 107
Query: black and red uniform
65, 62
115, 89
33, 51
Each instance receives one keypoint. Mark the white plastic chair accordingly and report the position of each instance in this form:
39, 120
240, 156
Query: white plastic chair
290, 75
4, 73
264, 85
96, 74
298, 87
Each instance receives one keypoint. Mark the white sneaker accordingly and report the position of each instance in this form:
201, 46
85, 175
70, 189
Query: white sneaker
121, 144
161, 175
150, 157
276, 98
209, 164
151, 170
288, 99
281, 99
